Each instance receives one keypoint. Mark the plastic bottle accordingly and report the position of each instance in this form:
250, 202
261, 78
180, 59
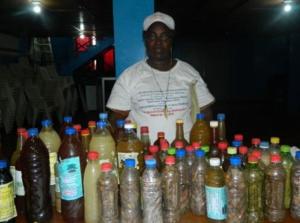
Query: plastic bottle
239, 137
91, 201
200, 131
196, 146
275, 145
92, 127
179, 133
215, 190
108, 194
36, 178
78, 128
214, 133
265, 154
153, 150
67, 123
295, 178
190, 158
236, 192
221, 127
254, 145
160, 138
171, 151
163, 152
231, 151
254, 178
85, 140
16, 154
151, 193
71, 165
52, 142
287, 163
182, 168
119, 131
274, 190
57, 190
170, 191
243, 151
206, 150
222, 146
130, 193
145, 139
179, 145
104, 117
197, 196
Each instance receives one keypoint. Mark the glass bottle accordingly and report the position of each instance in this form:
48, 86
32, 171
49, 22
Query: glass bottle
179, 133
265, 154
221, 127
254, 144
295, 178
160, 137
275, 145
200, 131
222, 146
231, 151
85, 140
119, 131
243, 151
92, 127
145, 139
104, 117
67, 123
78, 128
179, 145
214, 151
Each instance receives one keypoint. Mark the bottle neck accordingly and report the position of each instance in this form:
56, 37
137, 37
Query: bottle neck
214, 136
222, 131
179, 131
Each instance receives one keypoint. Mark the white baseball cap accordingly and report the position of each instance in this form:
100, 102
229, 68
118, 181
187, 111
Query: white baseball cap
159, 17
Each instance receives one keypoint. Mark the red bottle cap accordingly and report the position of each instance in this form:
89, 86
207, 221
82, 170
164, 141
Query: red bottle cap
160, 135
153, 149
77, 127
85, 132
144, 129
25, 135
21, 130
196, 145
148, 157
164, 145
238, 137
170, 160
252, 159
255, 141
92, 124
275, 158
222, 145
93, 155
243, 150
257, 154
105, 167
189, 149
179, 144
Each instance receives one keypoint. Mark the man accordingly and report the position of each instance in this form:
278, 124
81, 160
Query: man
156, 92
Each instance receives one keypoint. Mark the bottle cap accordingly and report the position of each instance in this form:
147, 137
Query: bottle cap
101, 124
196, 145
77, 127
179, 144
264, 145
3, 164
153, 149
68, 119
189, 149
231, 150
243, 150
275, 140
255, 141
144, 129
214, 161
93, 155
239, 137
221, 117
160, 135
252, 159
25, 135
199, 153
257, 153
170, 160
297, 156
130, 163
151, 163
180, 153
205, 149
70, 131
92, 124
128, 126
33, 132
285, 148
85, 132
222, 145
103, 116
236, 143
46, 123
120, 123
235, 161
164, 145
213, 124
21, 130
200, 116
148, 157
275, 158
171, 151
105, 167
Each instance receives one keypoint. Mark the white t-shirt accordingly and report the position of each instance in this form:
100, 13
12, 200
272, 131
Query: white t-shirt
137, 91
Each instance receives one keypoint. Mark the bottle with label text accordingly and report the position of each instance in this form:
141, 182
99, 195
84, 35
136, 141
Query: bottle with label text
295, 178
145, 139
179, 133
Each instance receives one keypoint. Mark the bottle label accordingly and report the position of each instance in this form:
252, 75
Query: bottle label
12, 170
20, 191
70, 180
52, 161
7, 205
123, 156
216, 202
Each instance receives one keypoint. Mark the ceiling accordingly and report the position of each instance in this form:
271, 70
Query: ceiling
209, 18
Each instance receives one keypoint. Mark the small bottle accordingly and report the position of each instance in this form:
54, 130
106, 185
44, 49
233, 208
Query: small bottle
275, 145
108, 194
179, 133
200, 131
145, 139
197, 196
215, 190
265, 154
130, 193
119, 131
221, 127
85, 140
160, 138
254, 144
151, 193
67, 123
243, 151
236, 192
164, 146
295, 178
274, 190
153, 150
104, 117
231, 151
92, 127
170, 191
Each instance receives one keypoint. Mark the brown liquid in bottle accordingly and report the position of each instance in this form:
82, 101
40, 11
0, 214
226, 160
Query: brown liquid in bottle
200, 131
179, 133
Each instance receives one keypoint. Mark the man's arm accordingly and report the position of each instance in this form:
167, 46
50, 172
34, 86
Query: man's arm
115, 114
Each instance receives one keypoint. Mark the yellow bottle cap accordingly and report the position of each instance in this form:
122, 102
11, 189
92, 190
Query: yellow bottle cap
231, 150
275, 140
179, 121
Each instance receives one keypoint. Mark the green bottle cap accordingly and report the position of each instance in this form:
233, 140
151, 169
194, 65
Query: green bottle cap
285, 148
171, 151
205, 148
231, 150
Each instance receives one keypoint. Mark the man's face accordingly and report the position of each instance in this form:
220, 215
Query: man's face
158, 42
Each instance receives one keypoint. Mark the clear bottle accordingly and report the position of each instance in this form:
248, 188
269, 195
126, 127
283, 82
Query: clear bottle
254, 178
160, 138
36, 178
214, 151
231, 151
243, 151
170, 191
274, 190
275, 145
239, 137
221, 127
151, 193
92, 127
197, 196
200, 131
145, 139
295, 178
119, 131
236, 192
78, 128
130, 193
182, 168
179, 133
67, 123
265, 154
91, 176
215, 190
153, 150
108, 194
190, 158
254, 145
104, 117
85, 140
222, 146
163, 152
287, 163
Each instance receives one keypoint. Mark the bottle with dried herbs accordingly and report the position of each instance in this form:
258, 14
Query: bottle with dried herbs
130, 193
221, 127
145, 138
274, 146
243, 151
200, 131
295, 178
236, 192
274, 185
153, 150
170, 191
190, 158
164, 146
108, 194
151, 193
119, 131
265, 153
197, 190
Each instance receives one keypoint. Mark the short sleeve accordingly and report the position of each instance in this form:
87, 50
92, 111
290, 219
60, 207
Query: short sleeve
203, 94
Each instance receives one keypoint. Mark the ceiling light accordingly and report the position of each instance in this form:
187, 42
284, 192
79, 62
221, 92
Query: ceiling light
36, 7
81, 26
94, 42
287, 7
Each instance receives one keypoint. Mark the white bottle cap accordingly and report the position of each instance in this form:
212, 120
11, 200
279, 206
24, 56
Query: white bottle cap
128, 126
213, 124
214, 161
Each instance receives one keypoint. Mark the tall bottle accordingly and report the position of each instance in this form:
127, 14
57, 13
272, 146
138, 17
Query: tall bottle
190, 158
36, 178
170, 191
295, 178
215, 189
104, 117
254, 178
197, 197
130, 193
70, 169
92, 127
85, 140
275, 145
8, 208
108, 194
91, 176
274, 190
236, 192
151, 193
221, 128
200, 131
145, 139
67, 123
52, 142
179, 133
119, 131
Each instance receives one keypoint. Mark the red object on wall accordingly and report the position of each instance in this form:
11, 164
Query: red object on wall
109, 59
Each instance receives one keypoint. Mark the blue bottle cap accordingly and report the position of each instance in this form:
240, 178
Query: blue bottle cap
199, 153
264, 145
46, 123
68, 119
297, 156
236, 143
103, 116
101, 124
235, 161
3, 164
70, 131
150, 163
120, 123
200, 116
180, 153
221, 117
130, 163
33, 132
